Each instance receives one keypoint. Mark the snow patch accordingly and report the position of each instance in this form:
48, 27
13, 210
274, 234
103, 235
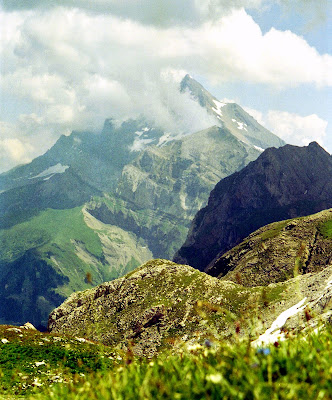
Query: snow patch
258, 148
218, 108
273, 334
164, 139
55, 169
240, 125
219, 104
49, 177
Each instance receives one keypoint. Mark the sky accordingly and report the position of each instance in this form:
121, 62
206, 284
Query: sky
70, 64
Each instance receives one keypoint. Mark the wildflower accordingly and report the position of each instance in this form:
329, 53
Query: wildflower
208, 343
214, 378
264, 350
39, 363
194, 347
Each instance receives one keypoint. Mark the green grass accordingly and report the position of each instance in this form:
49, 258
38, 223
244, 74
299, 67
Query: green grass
48, 225
51, 233
299, 368
30, 360
326, 229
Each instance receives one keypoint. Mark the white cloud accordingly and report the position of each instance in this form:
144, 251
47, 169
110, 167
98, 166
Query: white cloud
13, 150
152, 12
291, 127
296, 129
76, 68
258, 115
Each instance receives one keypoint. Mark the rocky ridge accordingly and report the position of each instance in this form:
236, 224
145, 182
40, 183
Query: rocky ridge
278, 251
162, 305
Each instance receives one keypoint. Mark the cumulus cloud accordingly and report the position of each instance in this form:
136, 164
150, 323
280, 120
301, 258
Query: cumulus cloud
291, 127
297, 129
77, 68
13, 150
152, 12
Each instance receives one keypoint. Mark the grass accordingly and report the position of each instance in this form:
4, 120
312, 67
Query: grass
297, 368
50, 234
30, 360
49, 225
326, 229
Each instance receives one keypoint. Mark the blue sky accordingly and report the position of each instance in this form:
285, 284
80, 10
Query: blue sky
70, 66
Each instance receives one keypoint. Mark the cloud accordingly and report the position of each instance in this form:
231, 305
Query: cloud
296, 129
291, 127
13, 150
151, 12
76, 68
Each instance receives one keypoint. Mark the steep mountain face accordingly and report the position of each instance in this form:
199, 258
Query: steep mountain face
282, 183
163, 188
99, 205
279, 251
162, 304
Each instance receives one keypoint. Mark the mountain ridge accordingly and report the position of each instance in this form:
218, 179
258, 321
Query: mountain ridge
282, 183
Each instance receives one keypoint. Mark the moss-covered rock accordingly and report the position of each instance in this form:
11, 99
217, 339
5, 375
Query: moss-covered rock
279, 251
152, 307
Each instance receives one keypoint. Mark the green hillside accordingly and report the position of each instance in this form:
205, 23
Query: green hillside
44, 259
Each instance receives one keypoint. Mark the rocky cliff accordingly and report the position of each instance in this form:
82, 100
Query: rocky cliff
282, 183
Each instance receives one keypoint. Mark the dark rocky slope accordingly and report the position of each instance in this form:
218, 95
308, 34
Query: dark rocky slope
282, 183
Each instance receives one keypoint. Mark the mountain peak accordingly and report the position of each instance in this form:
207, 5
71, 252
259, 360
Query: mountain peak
197, 91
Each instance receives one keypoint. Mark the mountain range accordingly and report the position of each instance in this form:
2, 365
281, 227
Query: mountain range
95, 206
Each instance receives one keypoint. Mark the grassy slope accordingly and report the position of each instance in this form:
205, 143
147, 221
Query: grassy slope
51, 233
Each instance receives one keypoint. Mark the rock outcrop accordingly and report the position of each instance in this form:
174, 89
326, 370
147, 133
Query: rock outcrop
157, 304
279, 251
282, 183
162, 305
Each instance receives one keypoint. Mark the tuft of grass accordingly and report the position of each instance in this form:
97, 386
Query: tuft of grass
326, 229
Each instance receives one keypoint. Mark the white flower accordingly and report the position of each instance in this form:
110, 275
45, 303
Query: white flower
214, 378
